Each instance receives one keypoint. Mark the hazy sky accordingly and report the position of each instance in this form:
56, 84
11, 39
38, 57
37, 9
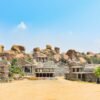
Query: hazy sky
67, 24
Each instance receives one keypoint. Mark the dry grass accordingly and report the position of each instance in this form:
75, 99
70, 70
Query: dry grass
49, 90
32, 78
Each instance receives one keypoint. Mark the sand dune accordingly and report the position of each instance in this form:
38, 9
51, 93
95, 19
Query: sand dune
49, 90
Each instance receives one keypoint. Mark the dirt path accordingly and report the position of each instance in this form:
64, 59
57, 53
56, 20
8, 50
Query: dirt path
49, 90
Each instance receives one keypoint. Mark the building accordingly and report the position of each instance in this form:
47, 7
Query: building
27, 66
40, 57
40, 70
28, 69
4, 70
45, 70
83, 73
61, 69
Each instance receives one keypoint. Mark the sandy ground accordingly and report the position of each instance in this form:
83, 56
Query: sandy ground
49, 90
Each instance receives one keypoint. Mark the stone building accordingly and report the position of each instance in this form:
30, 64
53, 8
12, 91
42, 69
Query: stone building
4, 70
27, 67
41, 70
41, 58
61, 69
45, 70
83, 73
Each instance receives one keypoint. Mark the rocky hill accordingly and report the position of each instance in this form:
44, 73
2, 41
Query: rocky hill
50, 53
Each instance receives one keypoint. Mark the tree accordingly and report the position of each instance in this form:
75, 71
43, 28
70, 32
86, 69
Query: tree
97, 74
15, 68
14, 62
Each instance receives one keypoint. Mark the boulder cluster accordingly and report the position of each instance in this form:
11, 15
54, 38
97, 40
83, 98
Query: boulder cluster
16, 51
55, 54
50, 53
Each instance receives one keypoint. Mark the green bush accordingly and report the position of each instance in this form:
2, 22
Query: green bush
14, 62
15, 68
97, 72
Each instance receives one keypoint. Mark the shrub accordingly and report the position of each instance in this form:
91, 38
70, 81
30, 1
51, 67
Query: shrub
97, 72
15, 70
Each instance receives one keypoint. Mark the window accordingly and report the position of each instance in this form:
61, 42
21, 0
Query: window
73, 69
36, 70
77, 69
79, 76
27, 70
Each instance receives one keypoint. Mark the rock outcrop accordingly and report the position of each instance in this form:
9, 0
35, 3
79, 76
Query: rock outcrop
97, 55
57, 57
75, 57
37, 49
48, 51
64, 56
1, 48
57, 50
82, 60
18, 49
90, 54
72, 54
49, 47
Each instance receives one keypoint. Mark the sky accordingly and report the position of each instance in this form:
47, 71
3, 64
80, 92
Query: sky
68, 24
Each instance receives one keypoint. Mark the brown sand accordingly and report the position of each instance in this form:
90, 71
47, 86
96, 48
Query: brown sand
49, 90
